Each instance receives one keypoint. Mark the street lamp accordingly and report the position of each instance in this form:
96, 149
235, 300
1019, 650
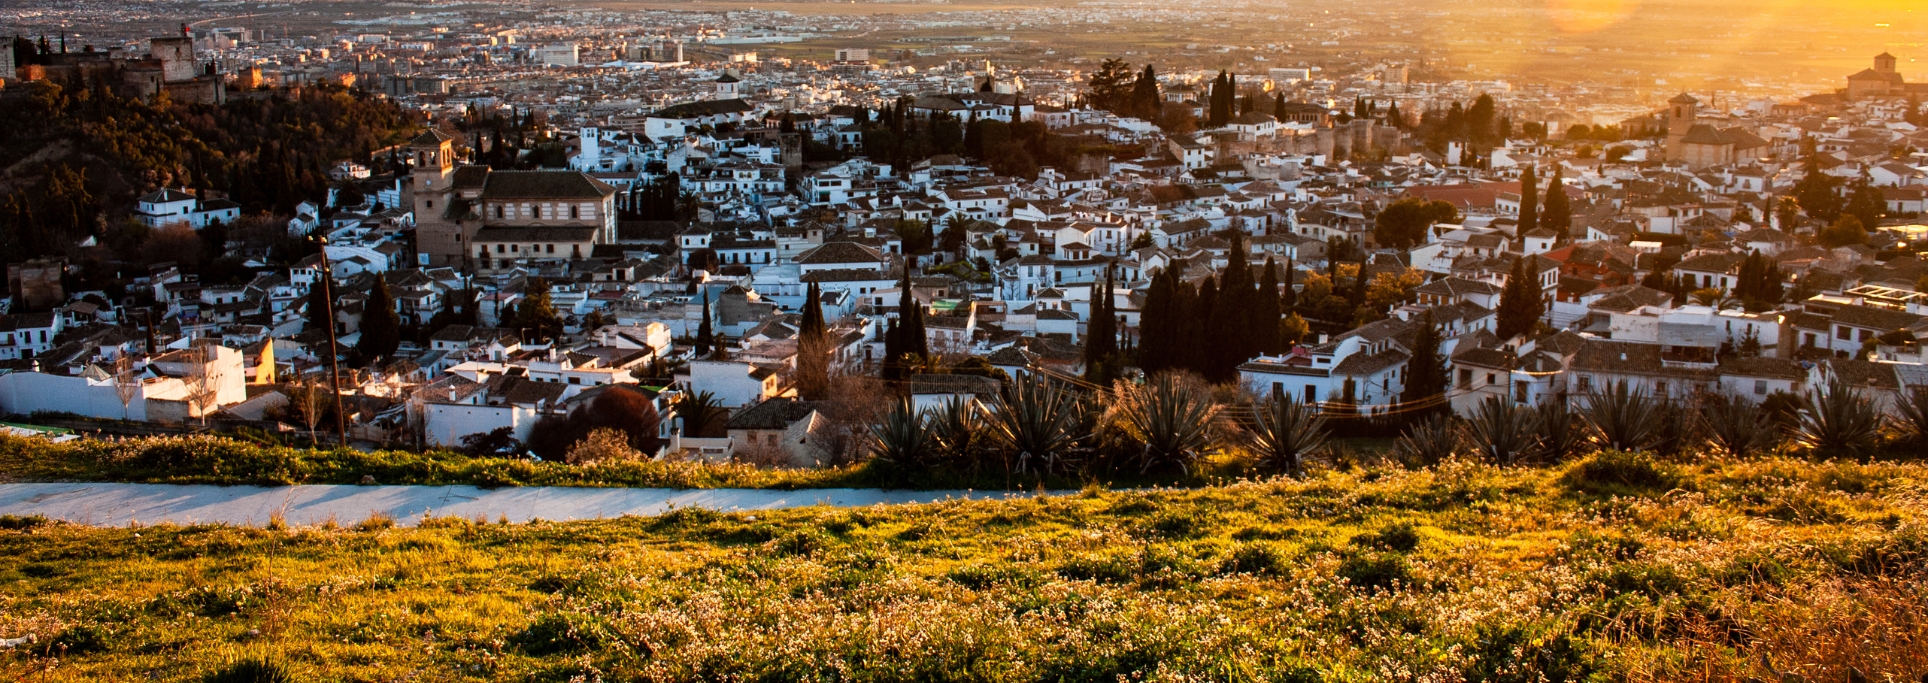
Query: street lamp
334, 353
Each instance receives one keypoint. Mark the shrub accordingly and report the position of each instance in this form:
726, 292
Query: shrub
1402, 537
1283, 433
1255, 557
1619, 473
1736, 426
1503, 432
1031, 419
1623, 418
902, 439
1913, 409
602, 445
251, 671
23, 522
1430, 442
1170, 416
82, 639
1839, 419
562, 633
1381, 571
1561, 432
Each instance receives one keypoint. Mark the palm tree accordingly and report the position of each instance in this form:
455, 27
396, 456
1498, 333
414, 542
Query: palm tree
1171, 416
1284, 432
702, 415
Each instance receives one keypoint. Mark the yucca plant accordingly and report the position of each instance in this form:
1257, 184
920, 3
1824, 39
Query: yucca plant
1283, 433
1623, 418
1913, 408
1029, 420
1503, 432
1170, 417
902, 438
1736, 426
1839, 419
1430, 442
1562, 433
957, 427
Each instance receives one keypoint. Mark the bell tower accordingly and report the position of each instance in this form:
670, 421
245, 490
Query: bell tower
429, 184
1884, 64
1682, 112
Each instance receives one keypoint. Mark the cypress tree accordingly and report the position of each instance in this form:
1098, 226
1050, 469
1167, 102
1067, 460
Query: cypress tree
1101, 335
1229, 324
1426, 371
1197, 349
1264, 326
1557, 211
813, 352
381, 331
1156, 323
318, 304
1520, 305
1529, 202
705, 339
1289, 297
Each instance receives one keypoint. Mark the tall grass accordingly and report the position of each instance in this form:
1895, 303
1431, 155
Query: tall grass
1613, 567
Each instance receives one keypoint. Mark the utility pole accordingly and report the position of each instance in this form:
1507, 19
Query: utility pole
334, 354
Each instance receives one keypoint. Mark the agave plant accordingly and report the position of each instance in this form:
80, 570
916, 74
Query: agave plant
957, 425
1623, 418
1913, 407
1430, 442
1503, 432
1284, 432
1736, 426
1838, 419
1170, 416
902, 438
1562, 433
1674, 427
1030, 420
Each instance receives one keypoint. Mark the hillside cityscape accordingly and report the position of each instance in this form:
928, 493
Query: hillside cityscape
1639, 254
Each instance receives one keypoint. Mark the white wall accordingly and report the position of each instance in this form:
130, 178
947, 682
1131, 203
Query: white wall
447, 423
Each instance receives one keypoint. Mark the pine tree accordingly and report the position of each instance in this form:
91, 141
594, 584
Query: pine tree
381, 331
1529, 202
1264, 325
705, 339
537, 314
1558, 212
1425, 376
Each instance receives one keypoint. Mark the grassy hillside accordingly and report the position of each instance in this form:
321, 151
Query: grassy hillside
1611, 568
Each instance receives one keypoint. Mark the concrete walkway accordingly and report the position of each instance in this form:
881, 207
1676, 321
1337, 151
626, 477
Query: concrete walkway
125, 504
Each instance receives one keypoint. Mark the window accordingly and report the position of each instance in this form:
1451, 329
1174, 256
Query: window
1760, 387
1489, 378
1465, 379
1843, 333
498, 211
552, 248
499, 248
431, 203
1586, 382
1660, 389
1311, 393
573, 212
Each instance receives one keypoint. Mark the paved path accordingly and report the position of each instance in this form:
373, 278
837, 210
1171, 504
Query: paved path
124, 504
